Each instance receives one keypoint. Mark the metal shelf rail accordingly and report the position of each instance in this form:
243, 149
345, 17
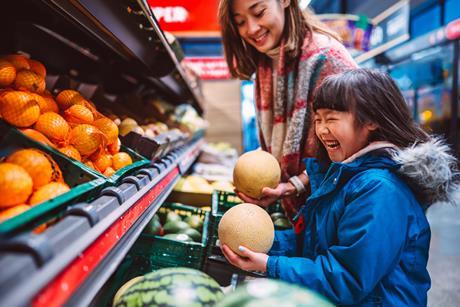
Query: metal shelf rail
80, 263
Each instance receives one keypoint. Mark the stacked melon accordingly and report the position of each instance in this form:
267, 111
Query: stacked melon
173, 226
28, 177
69, 122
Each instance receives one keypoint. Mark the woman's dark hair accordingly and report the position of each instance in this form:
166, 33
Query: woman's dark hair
373, 97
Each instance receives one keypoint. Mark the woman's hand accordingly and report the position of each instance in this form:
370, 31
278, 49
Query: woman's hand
269, 196
251, 262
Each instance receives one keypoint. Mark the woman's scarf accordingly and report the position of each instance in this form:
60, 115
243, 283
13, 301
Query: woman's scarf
285, 117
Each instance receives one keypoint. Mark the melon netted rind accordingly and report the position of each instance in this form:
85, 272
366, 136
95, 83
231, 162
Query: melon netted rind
246, 225
269, 292
255, 170
178, 287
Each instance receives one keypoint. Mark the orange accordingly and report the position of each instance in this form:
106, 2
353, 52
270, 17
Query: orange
121, 160
15, 185
36, 163
114, 147
86, 139
91, 165
102, 162
51, 104
53, 126
48, 191
78, 114
40, 100
87, 104
66, 98
71, 152
7, 73
109, 172
37, 136
19, 108
18, 61
40, 228
26, 79
46, 103
37, 68
108, 127
13, 211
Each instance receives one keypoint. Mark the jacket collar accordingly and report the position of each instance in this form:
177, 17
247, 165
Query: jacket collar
325, 180
371, 147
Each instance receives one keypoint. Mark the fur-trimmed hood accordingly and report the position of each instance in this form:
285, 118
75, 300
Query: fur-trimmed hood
431, 170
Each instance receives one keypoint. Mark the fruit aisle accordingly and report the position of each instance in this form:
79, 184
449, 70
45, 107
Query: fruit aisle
99, 128
98, 122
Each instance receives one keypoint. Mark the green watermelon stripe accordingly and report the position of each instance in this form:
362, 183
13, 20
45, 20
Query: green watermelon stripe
159, 288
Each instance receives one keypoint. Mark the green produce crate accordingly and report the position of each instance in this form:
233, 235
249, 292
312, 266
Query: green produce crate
159, 252
84, 182
138, 162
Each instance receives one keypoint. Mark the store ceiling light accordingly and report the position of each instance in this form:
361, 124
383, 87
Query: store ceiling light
304, 4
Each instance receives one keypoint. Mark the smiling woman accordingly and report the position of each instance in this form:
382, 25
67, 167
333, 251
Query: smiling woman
290, 52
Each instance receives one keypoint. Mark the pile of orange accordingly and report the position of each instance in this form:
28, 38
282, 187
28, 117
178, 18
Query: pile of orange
68, 122
28, 177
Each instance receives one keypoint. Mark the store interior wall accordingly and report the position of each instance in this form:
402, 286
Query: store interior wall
223, 111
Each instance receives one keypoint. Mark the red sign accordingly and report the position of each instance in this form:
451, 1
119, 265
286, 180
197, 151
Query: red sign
453, 29
187, 18
208, 68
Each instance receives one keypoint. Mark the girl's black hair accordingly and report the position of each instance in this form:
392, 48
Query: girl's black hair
373, 97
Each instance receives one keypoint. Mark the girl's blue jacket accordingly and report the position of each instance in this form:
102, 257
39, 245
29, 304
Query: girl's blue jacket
366, 237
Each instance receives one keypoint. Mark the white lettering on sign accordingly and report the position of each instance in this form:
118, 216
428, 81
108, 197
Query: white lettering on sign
209, 68
170, 13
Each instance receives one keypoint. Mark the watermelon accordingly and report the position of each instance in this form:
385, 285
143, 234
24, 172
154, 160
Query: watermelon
125, 287
178, 287
269, 292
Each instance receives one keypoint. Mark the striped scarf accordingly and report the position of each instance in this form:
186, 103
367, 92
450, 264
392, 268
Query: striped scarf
285, 117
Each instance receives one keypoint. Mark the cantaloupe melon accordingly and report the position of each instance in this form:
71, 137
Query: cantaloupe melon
246, 225
255, 170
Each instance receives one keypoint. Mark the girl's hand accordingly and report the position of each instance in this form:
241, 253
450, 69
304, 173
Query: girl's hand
269, 196
252, 262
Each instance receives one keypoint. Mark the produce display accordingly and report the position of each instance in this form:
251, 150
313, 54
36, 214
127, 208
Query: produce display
68, 122
172, 225
28, 177
255, 170
197, 184
175, 287
269, 292
246, 225
90, 135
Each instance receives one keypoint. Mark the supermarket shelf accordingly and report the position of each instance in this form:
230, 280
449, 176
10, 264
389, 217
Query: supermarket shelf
115, 43
179, 74
76, 273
